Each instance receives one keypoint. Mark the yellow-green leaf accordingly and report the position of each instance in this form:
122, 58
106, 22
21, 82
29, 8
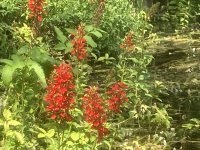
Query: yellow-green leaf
7, 114
14, 123
19, 137
41, 135
51, 133
75, 136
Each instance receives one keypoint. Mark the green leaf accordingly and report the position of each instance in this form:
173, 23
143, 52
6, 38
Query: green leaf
94, 55
90, 41
7, 73
72, 31
101, 58
1, 122
60, 46
92, 138
14, 123
23, 50
195, 120
7, 114
141, 77
89, 28
70, 143
75, 136
19, 137
188, 126
39, 71
60, 35
7, 61
106, 56
68, 48
51, 133
96, 33
102, 31
42, 130
41, 135
17, 59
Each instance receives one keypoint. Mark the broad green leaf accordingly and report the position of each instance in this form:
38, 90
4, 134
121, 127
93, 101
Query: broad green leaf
14, 123
96, 33
39, 71
19, 137
7, 114
60, 46
60, 35
75, 136
90, 41
17, 59
7, 73
23, 50
68, 48
51, 133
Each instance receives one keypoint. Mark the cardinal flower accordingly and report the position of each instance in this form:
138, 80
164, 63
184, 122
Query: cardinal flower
79, 44
60, 93
36, 9
117, 96
94, 112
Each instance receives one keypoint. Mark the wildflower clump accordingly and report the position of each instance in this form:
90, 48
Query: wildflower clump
60, 93
117, 96
94, 112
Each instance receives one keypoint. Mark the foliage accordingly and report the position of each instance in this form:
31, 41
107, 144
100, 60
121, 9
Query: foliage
50, 101
180, 14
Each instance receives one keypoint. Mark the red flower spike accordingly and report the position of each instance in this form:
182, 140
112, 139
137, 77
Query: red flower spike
60, 93
117, 96
94, 112
36, 9
79, 44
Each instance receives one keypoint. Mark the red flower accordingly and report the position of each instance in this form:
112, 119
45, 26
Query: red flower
36, 9
60, 93
94, 112
79, 44
128, 43
117, 96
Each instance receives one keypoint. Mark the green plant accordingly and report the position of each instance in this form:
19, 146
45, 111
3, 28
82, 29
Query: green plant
179, 14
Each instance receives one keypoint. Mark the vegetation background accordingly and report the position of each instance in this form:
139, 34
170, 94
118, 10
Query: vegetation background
126, 59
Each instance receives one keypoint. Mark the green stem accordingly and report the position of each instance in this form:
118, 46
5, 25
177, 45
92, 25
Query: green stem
123, 65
